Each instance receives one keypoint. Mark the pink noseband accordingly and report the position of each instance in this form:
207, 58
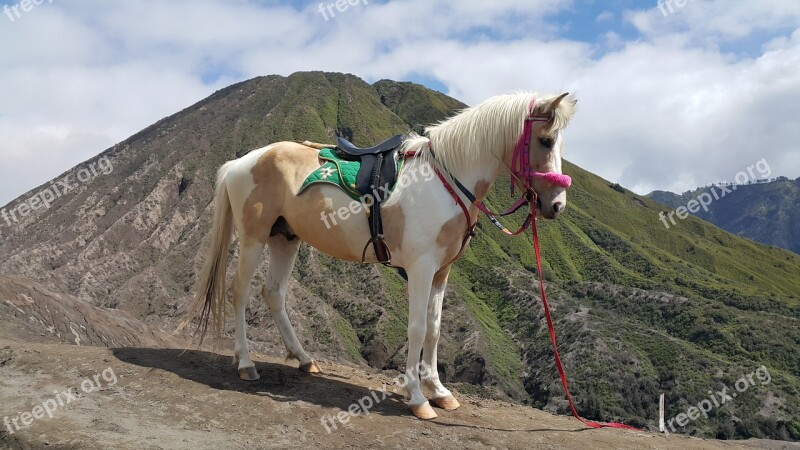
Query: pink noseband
558, 179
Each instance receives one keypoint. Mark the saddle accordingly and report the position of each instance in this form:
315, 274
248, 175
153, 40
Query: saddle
377, 175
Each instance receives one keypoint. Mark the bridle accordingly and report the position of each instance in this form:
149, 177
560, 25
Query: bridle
520, 161
520, 173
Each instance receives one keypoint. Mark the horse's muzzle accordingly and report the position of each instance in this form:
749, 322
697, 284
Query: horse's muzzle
550, 211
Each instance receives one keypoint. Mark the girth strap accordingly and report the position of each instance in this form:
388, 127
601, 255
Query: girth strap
375, 219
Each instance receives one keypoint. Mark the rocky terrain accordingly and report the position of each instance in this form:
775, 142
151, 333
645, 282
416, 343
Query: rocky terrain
163, 393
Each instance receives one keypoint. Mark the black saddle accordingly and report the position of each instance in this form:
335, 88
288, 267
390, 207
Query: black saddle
384, 147
376, 176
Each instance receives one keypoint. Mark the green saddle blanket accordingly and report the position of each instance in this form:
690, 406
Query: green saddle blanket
339, 172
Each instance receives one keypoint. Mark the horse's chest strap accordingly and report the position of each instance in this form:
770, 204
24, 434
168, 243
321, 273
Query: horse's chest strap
470, 224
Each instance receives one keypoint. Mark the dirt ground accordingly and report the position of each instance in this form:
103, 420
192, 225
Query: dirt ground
150, 398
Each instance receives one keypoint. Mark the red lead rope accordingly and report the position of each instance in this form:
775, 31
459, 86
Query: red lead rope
530, 221
550, 327
521, 167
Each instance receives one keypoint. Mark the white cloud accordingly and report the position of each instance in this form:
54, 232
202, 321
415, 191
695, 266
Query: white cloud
667, 109
604, 16
716, 22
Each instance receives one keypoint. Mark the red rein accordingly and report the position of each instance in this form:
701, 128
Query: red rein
550, 328
521, 168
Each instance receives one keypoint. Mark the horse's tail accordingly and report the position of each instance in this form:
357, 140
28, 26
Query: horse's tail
209, 301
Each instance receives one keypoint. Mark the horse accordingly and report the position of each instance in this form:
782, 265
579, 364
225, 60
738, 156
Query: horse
427, 223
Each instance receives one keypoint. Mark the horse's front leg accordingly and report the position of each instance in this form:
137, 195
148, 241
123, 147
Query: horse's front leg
442, 397
420, 278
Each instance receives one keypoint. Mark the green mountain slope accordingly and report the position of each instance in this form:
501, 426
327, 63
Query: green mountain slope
642, 310
415, 104
767, 212
639, 309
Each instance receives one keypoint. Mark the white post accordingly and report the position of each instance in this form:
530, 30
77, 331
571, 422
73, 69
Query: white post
661, 427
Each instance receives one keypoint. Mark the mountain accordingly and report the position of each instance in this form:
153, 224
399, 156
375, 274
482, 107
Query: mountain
766, 212
639, 309
416, 105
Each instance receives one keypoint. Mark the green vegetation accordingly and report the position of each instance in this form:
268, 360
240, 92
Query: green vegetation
415, 104
765, 211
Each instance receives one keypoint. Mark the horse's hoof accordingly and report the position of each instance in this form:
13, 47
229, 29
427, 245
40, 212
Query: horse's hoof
249, 374
423, 411
310, 367
448, 403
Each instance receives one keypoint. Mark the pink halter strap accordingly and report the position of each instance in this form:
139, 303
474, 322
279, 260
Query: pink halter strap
520, 162
559, 179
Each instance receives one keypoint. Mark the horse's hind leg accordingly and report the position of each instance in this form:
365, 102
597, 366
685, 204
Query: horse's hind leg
282, 254
250, 251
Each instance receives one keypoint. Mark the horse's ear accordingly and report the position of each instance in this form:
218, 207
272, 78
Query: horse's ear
553, 104
561, 108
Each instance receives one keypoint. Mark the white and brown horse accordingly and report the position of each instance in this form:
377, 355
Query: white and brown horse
424, 227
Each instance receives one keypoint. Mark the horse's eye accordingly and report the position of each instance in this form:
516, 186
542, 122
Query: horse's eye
546, 142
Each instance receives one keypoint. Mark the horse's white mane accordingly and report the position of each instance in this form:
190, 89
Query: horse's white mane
470, 138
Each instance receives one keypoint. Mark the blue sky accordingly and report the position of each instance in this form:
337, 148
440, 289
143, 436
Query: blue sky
665, 101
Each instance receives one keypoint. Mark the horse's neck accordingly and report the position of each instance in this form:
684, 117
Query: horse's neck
476, 161
479, 180
479, 177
